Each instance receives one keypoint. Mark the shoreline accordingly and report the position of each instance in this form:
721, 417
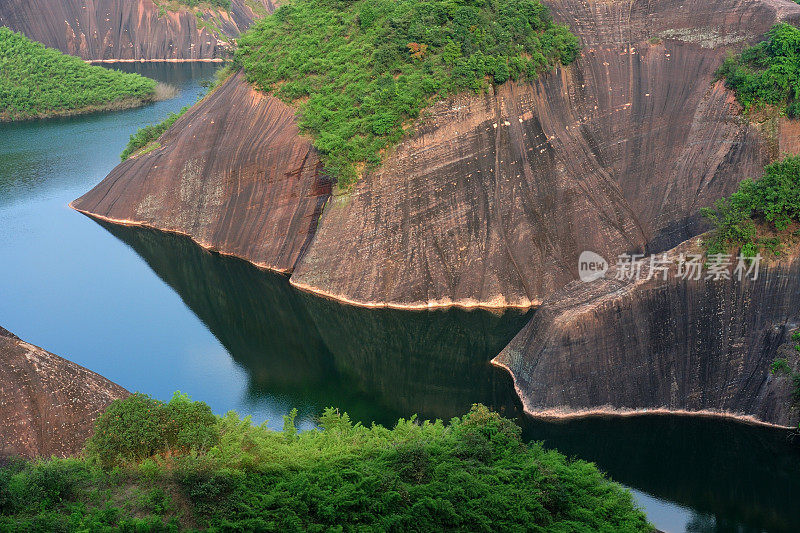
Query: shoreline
116, 105
466, 305
564, 414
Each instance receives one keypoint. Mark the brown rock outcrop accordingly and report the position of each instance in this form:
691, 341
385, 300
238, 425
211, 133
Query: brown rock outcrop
128, 29
693, 346
47, 404
493, 198
232, 173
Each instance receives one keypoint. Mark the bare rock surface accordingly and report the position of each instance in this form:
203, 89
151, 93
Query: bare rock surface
232, 173
128, 29
47, 404
691, 346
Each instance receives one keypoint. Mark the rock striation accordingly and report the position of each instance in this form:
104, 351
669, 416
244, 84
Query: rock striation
674, 345
232, 173
131, 29
492, 197
47, 404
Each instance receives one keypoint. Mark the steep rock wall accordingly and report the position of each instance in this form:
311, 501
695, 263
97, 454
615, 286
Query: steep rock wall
232, 173
47, 404
127, 29
493, 197
612, 346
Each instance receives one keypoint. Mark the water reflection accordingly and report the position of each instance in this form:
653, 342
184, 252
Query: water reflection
703, 474
734, 477
375, 364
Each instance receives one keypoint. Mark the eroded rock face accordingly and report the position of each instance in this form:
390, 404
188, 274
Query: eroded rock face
232, 173
493, 198
47, 404
127, 29
613, 346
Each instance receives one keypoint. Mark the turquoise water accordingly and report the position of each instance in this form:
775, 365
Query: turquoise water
155, 313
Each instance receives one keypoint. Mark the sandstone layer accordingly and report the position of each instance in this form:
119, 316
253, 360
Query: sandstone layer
232, 173
674, 345
47, 404
492, 198
130, 29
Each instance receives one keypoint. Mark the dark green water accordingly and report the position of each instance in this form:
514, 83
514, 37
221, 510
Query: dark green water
156, 313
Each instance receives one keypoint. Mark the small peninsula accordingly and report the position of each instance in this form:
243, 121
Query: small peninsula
41, 82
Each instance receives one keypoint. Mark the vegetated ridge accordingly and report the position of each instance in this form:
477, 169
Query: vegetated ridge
359, 71
37, 82
175, 466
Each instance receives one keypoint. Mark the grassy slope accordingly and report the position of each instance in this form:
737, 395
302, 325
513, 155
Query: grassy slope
359, 71
36, 81
153, 466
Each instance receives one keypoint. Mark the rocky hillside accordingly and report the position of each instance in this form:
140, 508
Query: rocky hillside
233, 173
132, 29
492, 198
663, 345
48, 403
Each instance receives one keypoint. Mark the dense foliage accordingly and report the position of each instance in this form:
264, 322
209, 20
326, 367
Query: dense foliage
773, 199
154, 466
359, 70
769, 72
38, 81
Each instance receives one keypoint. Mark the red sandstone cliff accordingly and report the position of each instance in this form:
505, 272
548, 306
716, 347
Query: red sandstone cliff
663, 345
493, 198
129, 29
232, 173
47, 404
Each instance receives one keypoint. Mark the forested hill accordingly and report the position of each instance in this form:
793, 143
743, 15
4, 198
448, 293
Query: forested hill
36, 81
360, 71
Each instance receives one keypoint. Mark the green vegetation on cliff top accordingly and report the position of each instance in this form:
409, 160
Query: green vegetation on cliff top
36, 81
773, 199
769, 72
359, 71
154, 466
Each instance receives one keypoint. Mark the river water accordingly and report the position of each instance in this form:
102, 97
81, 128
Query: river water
155, 313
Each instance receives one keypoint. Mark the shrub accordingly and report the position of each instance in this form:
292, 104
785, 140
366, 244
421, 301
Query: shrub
769, 72
473, 474
358, 71
773, 199
139, 427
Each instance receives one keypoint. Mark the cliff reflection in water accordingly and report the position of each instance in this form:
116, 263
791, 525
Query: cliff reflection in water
380, 364
376, 364
735, 477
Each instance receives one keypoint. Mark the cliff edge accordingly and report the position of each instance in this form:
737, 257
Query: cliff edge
621, 346
491, 198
